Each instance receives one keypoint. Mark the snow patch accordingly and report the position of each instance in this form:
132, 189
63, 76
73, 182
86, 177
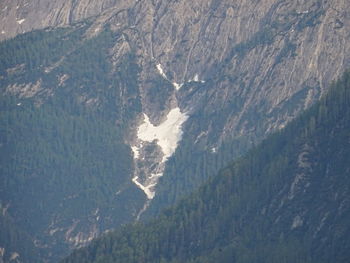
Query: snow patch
20, 21
196, 79
147, 188
177, 86
3, 32
135, 150
161, 71
166, 135
14, 256
150, 162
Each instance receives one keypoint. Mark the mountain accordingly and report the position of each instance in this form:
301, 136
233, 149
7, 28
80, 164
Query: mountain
23, 16
15, 242
287, 200
111, 111
65, 166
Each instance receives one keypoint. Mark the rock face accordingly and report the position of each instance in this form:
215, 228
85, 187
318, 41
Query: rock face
22, 16
287, 200
262, 53
236, 69
245, 69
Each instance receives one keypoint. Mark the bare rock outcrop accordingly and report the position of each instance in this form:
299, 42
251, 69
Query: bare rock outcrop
21, 16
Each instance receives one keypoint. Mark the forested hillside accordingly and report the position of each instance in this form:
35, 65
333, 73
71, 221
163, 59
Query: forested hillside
65, 168
112, 110
287, 200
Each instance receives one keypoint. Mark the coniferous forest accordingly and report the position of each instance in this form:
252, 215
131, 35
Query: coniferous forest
62, 153
73, 99
287, 200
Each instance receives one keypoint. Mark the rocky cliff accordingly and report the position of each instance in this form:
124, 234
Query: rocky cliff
287, 200
213, 77
239, 70
22, 16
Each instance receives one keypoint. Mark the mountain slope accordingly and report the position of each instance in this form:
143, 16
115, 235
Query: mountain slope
258, 77
22, 16
65, 168
167, 92
14, 242
287, 200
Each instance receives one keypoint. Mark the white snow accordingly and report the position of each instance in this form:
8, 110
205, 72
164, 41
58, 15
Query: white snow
196, 79
20, 21
135, 150
167, 134
14, 256
161, 71
177, 86
3, 32
146, 189
303, 12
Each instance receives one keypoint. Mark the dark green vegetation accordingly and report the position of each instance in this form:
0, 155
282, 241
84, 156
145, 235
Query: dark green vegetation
14, 239
67, 103
191, 165
64, 166
64, 112
287, 200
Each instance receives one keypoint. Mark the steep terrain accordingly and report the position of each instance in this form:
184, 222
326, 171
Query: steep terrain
21, 16
287, 200
65, 168
167, 92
